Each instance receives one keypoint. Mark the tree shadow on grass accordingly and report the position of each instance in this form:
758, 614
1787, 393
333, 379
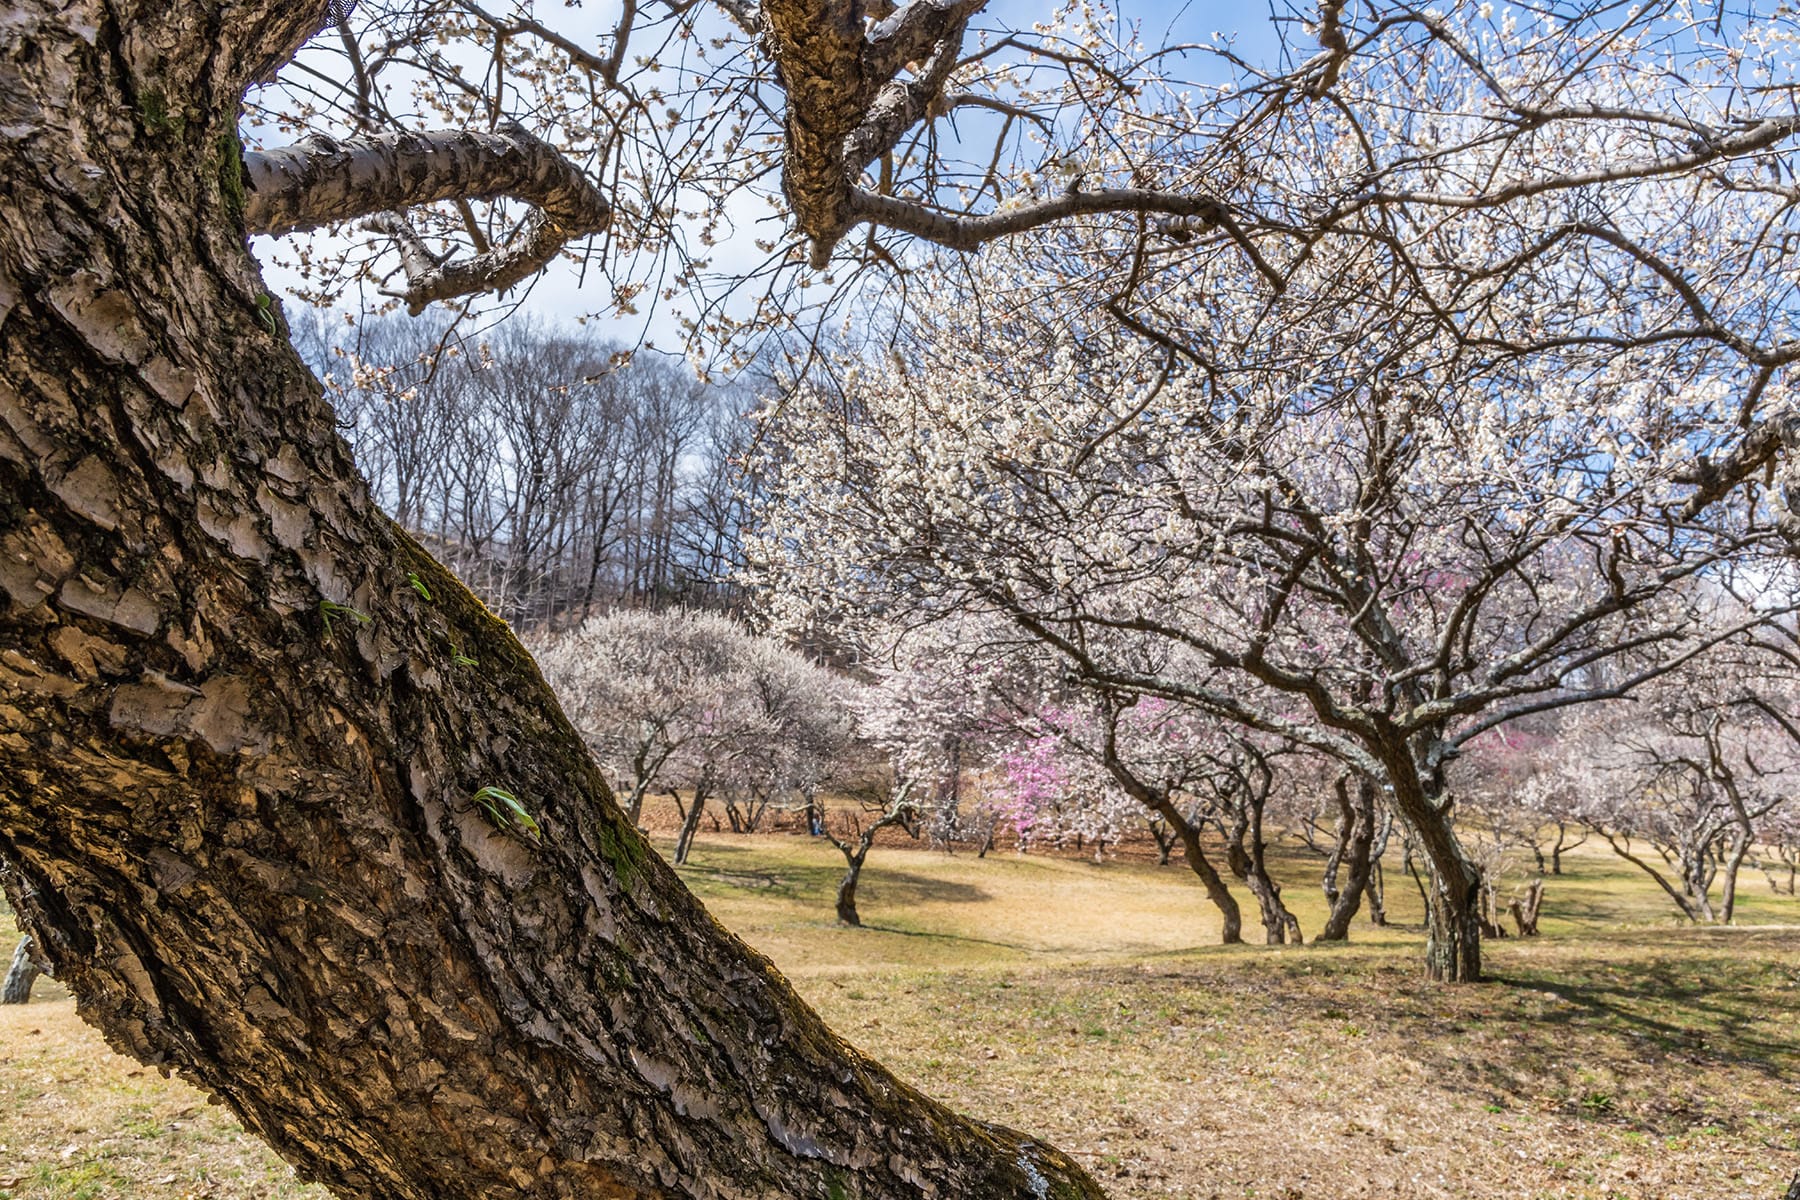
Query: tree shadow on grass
733, 869
934, 936
1649, 1024
1657, 1036
1716, 1010
1601, 911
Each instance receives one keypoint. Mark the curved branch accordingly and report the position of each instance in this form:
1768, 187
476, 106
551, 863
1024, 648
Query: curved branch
1763, 135
971, 232
322, 180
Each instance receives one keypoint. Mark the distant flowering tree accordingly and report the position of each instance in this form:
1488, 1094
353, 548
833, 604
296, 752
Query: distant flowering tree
648, 691
793, 731
1033, 785
693, 701
1694, 776
933, 708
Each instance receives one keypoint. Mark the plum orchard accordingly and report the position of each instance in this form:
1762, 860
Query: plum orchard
1416, 460
291, 813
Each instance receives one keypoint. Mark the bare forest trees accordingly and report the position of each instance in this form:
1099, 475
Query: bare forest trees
556, 475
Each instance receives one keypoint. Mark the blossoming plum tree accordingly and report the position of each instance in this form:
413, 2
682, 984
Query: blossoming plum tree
1427, 485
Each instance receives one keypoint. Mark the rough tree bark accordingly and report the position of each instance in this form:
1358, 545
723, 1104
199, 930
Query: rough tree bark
856, 87
239, 761
1453, 889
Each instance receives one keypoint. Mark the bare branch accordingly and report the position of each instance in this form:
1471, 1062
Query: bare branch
321, 180
971, 232
1724, 146
1337, 47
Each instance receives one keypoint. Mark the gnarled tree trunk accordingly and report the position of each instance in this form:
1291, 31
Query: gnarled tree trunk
1244, 851
1525, 910
899, 811
1453, 915
269, 828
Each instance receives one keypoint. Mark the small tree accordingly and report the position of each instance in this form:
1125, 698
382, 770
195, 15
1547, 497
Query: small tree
859, 837
21, 974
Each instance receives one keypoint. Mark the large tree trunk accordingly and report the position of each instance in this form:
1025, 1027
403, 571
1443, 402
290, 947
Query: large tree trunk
240, 764
1453, 891
1453, 931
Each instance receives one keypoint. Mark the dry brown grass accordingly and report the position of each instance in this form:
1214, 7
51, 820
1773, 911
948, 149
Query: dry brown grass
78, 1122
1618, 1056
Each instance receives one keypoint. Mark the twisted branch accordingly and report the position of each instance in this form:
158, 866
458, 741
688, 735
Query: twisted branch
322, 181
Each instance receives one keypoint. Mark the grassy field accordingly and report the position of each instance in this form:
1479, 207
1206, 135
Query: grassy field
1620, 1055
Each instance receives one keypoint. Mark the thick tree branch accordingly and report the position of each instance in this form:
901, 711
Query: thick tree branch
913, 33
901, 104
833, 73
322, 180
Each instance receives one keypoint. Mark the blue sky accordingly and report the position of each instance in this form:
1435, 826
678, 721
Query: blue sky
561, 295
